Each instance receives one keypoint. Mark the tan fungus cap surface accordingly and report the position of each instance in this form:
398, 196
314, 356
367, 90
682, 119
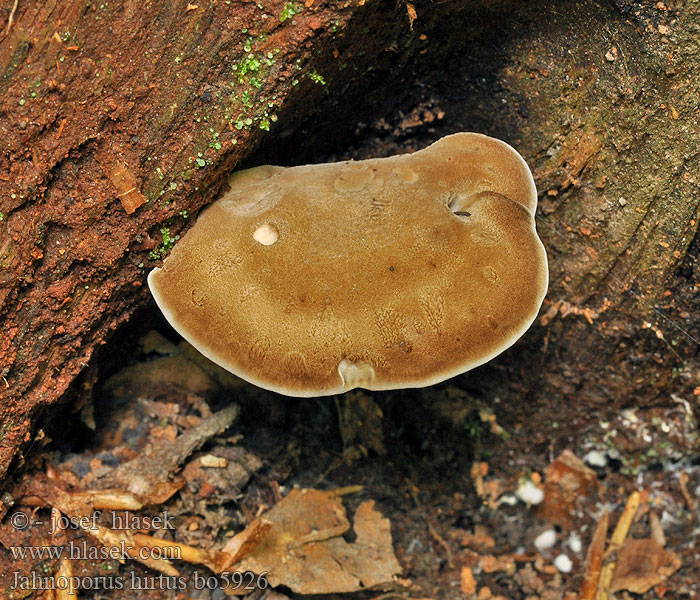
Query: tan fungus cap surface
384, 273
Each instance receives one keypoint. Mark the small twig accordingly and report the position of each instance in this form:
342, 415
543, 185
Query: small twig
657, 530
177, 550
11, 18
594, 559
60, 128
348, 489
617, 539
65, 589
683, 481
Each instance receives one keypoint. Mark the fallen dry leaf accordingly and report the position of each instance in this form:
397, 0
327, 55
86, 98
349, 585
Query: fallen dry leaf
567, 480
642, 564
242, 544
304, 549
177, 371
412, 15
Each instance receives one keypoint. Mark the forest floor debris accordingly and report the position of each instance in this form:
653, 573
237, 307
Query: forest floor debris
431, 512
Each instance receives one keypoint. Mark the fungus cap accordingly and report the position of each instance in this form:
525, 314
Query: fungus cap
384, 273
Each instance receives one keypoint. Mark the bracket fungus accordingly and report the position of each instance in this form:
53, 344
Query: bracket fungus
384, 273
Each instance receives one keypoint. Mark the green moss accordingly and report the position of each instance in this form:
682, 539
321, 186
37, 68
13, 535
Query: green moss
316, 78
247, 99
290, 9
214, 143
253, 66
241, 104
166, 245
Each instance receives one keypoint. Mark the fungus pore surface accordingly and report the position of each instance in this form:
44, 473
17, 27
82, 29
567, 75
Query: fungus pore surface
381, 274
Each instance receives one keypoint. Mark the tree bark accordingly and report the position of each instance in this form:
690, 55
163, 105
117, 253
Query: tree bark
600, 98
104, 107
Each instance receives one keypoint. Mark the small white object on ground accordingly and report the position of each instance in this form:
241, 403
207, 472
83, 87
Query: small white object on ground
546, 539
209, 460
595, 459
575, 543
529, 493
508, 499
563, 563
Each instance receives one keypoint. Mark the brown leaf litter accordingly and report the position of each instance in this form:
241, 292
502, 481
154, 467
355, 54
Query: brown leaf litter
635, 565
567, 481
304, 548
298, 543
642, 564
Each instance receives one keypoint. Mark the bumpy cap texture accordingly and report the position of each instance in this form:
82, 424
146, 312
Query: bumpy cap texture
381, 274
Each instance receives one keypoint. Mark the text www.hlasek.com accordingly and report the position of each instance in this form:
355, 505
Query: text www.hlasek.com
83, 551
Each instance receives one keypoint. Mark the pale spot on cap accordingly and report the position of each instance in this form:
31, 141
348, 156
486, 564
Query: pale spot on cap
355, 374
266, 234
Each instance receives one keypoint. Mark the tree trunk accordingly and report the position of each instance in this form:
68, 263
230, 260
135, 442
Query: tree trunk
104, 109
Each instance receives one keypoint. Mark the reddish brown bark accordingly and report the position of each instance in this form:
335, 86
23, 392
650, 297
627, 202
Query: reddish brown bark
103, 108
